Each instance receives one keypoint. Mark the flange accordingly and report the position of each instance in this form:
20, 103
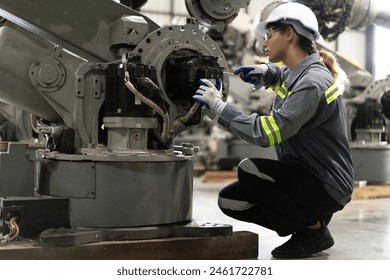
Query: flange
47, 74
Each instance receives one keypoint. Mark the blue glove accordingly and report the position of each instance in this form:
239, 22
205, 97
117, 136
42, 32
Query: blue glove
207, 94
252, 74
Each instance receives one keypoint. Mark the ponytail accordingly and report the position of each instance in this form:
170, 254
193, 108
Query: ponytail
330, 62
338, 74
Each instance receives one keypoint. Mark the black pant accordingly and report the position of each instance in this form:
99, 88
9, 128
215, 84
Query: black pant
282, 197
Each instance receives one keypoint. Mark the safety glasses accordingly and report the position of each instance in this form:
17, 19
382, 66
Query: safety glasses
271, 31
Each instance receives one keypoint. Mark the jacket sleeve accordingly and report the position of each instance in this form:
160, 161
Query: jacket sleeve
274, 75
246, 127
283, 122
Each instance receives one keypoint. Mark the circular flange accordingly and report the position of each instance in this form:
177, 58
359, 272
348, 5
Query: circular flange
157, 46
211, 14
47, 74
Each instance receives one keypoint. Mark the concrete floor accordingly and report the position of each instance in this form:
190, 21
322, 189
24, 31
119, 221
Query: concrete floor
361, 230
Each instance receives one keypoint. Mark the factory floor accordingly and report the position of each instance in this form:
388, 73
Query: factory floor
361, 230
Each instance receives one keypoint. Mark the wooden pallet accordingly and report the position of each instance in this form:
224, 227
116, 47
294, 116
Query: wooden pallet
371, 192
240, 245
219, 176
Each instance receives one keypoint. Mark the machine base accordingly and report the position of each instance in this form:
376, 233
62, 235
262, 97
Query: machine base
133, 192
239, 245
371, 163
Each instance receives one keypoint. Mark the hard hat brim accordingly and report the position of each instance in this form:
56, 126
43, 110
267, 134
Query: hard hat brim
299, 28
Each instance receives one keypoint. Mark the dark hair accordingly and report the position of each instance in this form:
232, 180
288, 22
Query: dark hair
306, 44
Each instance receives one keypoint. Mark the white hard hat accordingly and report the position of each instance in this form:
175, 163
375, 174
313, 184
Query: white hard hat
300, 16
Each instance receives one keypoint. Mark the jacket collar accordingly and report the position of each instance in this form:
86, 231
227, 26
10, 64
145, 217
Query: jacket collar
301, 67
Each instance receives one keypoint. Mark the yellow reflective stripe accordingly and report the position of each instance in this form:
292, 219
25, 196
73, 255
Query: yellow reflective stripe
333, 97
281, 95
281, 90
329, 90
332, 93
275, 129
270, 132
276, 86
284, 88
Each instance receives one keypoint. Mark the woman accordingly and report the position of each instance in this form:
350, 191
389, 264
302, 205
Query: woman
313, 176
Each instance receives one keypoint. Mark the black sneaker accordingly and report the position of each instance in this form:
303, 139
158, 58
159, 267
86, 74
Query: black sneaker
305, 243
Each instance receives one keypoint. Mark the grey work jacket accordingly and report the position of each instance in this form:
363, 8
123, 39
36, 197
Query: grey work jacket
306, 124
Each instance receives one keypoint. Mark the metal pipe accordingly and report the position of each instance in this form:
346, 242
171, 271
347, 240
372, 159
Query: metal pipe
365, 12
383, 19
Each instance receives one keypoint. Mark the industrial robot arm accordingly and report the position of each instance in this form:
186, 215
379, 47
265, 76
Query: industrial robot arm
75, 62
119, 87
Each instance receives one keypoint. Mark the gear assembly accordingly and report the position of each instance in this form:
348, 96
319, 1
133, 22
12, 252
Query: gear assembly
109, 91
